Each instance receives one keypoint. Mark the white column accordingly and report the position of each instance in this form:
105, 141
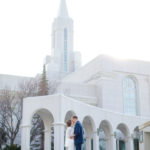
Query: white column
25, 137
59, 129
113, 142
129, 143
96, 141
88, 143
47, 139
109, 143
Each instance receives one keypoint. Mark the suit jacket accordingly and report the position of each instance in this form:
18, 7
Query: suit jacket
78, 133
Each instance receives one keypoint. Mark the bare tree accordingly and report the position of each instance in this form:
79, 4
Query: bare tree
28, 88
11, 108
10, 114
11, 103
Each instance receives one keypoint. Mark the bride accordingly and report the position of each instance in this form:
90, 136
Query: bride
69, 143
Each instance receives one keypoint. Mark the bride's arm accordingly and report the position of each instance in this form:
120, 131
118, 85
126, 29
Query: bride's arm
68, 133
67, 138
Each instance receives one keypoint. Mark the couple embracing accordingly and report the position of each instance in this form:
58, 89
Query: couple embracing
74, 134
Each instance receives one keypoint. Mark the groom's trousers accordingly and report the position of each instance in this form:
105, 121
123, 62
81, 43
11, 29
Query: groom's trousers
78, 146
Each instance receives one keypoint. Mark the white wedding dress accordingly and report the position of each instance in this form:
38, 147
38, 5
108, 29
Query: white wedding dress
69, 143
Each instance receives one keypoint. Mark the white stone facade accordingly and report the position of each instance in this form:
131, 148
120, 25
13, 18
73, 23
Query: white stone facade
56, 109
96, 93
101, 80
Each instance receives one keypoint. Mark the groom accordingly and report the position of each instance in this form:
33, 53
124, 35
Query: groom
78, 133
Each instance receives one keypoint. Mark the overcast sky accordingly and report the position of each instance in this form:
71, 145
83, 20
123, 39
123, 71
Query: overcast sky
120, 28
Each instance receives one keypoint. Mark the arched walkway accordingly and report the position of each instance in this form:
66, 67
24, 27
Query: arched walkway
69, 115
47, 120
89, 129
105, 136
122, 137
55, 110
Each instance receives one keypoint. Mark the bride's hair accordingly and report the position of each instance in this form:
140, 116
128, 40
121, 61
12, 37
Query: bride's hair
68, 123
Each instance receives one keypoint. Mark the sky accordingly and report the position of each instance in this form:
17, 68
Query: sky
119, 28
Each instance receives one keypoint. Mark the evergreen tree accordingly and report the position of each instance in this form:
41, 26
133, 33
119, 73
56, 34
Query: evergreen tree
43, 84
37, 134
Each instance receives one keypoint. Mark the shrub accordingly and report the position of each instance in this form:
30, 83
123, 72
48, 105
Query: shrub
12, 147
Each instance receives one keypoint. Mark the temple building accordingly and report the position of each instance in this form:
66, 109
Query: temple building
110, 96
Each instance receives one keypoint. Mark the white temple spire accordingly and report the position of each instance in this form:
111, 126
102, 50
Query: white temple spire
63, 60
63, 11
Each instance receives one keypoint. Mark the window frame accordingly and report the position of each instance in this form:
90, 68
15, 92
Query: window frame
137, 109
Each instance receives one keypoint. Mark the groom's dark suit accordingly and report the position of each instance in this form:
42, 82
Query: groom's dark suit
78, 138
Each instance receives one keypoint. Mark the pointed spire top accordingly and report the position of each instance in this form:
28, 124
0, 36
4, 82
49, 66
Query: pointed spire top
63, 11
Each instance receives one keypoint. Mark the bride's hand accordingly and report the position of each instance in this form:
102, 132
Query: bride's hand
71, 137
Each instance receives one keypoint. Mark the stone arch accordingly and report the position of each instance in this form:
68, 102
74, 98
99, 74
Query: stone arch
132, 77
69, 115
106, 125
105, 135
46, 118
124, 128
89, 129
122, 137
45, 115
